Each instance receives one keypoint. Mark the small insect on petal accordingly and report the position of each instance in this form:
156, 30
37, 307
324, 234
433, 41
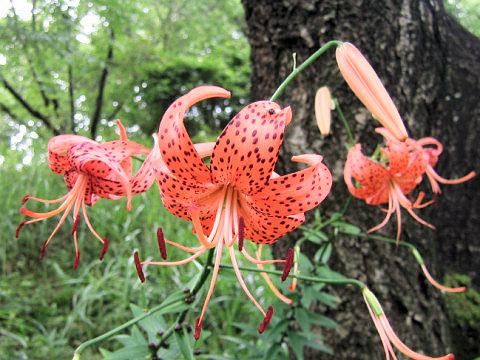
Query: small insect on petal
198, 328
288, 264
19, 227
139, 267
161, 243
104, 248
267, 319
241, 232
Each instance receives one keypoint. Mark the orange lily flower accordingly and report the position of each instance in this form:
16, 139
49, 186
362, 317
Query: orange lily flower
388, 336
238, 196
365, 83
388, 184
431, 160
91, 170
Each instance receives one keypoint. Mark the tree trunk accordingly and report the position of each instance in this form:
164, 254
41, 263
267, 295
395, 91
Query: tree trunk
429, 64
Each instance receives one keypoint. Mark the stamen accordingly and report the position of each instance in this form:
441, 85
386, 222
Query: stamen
104, 248
161, 243
198, 328
19, 227
138, 265
194, 215
77, 260
288, 264
25, 198
75, 224
241, 232
266, 321
77, 252
42, 250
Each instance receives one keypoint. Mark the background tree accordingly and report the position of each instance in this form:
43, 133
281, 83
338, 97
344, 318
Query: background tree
429, 64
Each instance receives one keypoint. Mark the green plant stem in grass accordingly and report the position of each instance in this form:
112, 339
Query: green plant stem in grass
340, 281
345, 123
305, 64
198, 285
415, 252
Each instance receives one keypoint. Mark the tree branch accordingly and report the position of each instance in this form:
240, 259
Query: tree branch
28, 107
8, 111
101, 87
115, 112
71, 98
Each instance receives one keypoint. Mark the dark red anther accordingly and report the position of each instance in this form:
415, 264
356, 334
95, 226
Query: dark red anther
77, 260
139, 267
266, 321
198, 328
75, 224
241, 232
19, 227
25, 198
161, 243
104, 248
288, 264
42, 251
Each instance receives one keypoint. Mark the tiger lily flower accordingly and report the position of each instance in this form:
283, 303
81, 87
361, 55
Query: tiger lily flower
238, 196
432, 159
91, 170
388, 184
387, 335
365, 83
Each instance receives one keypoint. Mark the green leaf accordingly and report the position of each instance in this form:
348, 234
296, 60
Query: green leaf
322, 320
297, 341
184, 344
130, 353
272, 351
302, 317
323, 254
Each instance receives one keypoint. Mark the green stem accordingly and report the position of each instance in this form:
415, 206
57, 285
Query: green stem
83, 346
196, 288
345, 123
344, 281
303, 66
198, 285
412, 247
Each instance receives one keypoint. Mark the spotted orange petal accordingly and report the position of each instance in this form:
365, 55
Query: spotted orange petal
264, 228
372, 177
297, 192
247, 150
176, 147
57, 149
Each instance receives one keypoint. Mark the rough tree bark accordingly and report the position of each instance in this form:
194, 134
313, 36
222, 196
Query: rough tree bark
429, 64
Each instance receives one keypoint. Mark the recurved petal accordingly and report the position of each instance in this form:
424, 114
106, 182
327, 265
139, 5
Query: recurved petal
247, 150
176, 147
371, 176
92, 160
297, 192
57, 149
266, 229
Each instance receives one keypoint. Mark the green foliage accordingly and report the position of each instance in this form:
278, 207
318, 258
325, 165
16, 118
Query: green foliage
75, 66
467, 12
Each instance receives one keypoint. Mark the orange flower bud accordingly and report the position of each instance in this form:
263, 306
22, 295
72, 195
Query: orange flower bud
364, 82
323, 104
